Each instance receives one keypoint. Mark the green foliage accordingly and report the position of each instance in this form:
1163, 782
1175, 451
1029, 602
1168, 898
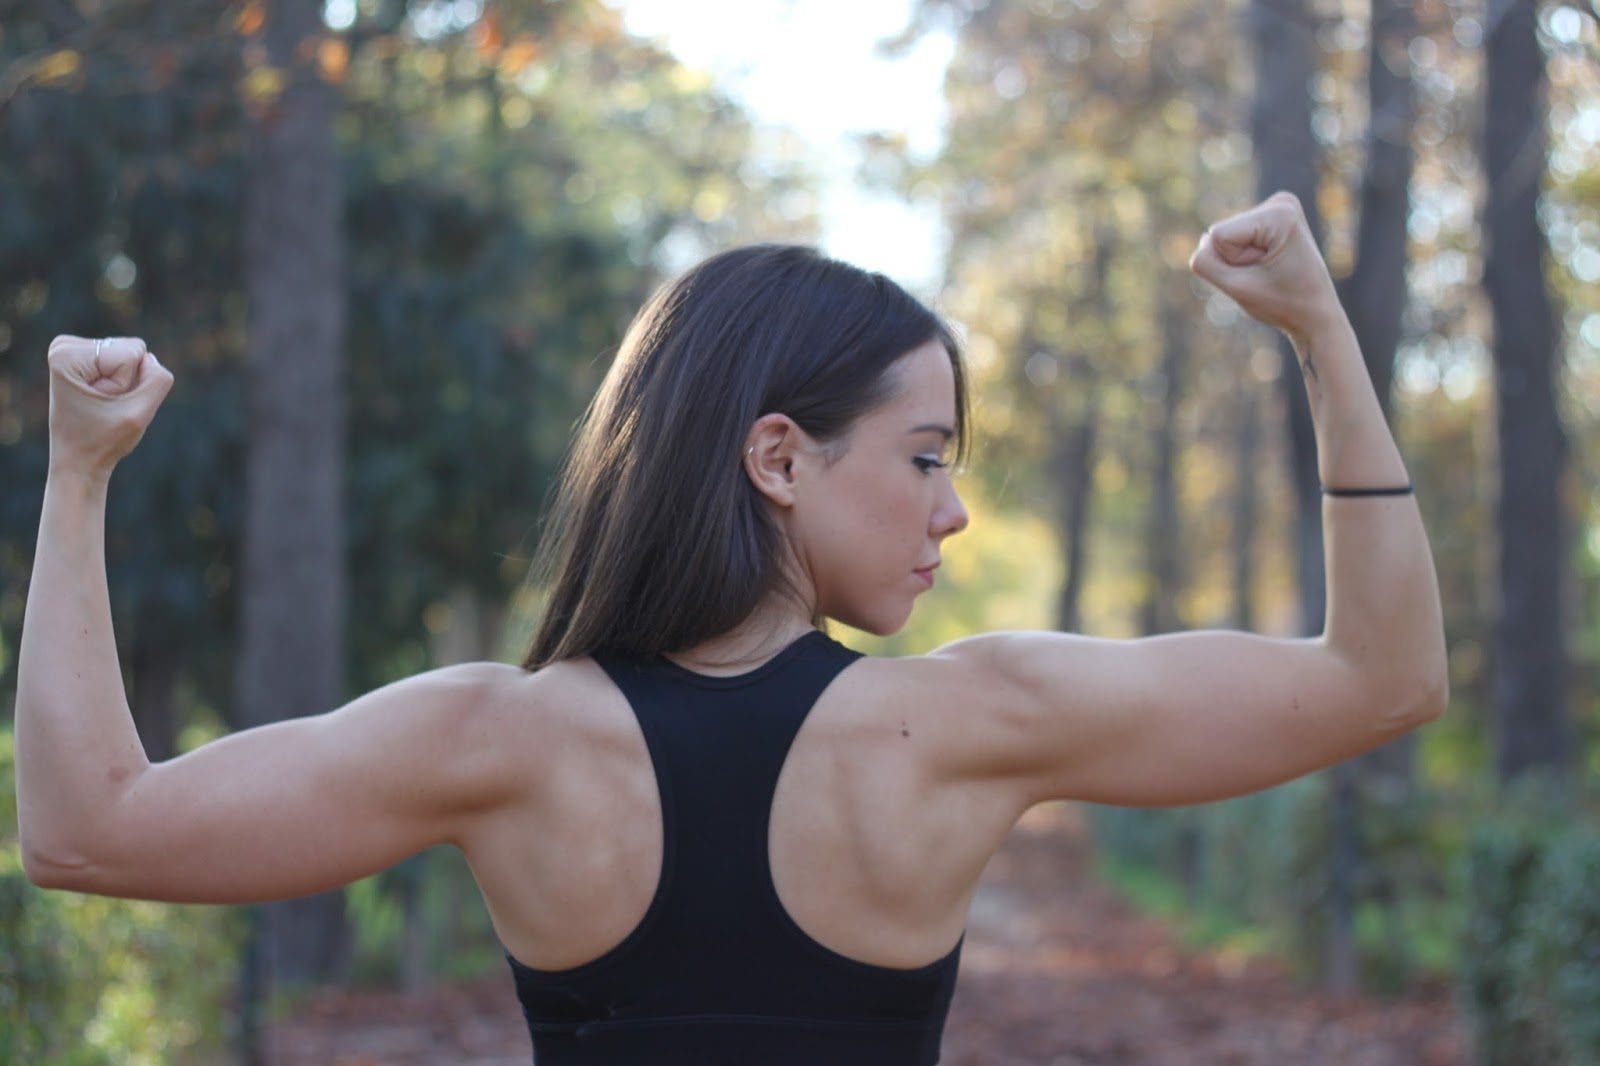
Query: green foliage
1262, 860
1501, 893
89, 980
427, 906
1202, 928
1530, 974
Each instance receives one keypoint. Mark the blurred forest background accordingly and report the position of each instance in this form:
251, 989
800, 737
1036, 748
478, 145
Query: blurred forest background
388, 248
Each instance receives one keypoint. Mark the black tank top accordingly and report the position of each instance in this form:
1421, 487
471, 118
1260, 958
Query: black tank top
717, 973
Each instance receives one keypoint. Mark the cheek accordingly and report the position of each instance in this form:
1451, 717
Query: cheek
870, 527
880, 528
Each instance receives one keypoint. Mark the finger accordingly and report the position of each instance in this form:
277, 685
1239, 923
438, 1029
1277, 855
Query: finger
120, 351
1209, 265
1263, 232
1238, 283
119, 363
1243, 239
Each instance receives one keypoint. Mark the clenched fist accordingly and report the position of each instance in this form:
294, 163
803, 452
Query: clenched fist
1266, 259
103, 394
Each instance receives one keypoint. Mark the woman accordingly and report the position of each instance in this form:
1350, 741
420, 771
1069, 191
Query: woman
707, 832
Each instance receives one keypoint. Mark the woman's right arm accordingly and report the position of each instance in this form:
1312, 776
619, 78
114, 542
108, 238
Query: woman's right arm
1198, 716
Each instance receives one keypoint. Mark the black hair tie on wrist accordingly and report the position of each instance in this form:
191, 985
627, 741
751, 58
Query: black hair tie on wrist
1367, 492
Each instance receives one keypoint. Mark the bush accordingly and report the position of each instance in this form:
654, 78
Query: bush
1530, 974
86, 980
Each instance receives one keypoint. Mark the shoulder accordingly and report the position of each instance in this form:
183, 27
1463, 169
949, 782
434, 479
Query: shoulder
494, 721
954, 701
544, 718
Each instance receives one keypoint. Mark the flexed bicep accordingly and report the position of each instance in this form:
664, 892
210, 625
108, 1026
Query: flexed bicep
1176, 718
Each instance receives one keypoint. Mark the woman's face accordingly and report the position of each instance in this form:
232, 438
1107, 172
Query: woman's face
861, 528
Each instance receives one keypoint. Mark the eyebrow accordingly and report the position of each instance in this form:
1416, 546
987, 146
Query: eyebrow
944, 431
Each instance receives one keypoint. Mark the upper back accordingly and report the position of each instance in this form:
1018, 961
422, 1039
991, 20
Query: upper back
807, 814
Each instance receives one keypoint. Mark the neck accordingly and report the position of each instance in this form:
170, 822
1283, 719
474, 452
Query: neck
748, 645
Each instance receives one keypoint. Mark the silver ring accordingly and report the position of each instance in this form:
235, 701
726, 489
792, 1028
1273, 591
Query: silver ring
98, 342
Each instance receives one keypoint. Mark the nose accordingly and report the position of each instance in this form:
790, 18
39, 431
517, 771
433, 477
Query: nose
950, 516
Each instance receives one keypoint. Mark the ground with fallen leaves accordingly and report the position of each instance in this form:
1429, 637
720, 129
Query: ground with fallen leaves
1056, 971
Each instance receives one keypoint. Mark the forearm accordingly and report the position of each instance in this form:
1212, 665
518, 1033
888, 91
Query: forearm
1383, 610
76, 745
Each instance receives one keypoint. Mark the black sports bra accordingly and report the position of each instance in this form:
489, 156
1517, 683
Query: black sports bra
717, 973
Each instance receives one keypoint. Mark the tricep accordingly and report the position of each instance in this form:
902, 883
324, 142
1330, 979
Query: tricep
1173, 719
307, 804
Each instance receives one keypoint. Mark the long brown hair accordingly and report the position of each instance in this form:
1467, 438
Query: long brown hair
656, 540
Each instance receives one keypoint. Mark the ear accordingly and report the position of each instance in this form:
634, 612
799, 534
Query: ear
776, 453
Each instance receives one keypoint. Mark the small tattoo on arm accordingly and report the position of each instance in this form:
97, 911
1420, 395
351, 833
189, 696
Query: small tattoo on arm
1308, 368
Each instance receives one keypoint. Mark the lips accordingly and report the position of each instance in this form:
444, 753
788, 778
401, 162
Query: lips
926, 574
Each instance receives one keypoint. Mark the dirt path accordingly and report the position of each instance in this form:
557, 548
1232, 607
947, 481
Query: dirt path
1056, 971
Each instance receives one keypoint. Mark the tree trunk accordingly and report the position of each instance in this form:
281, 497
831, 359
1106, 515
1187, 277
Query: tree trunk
1288, 157
153, 683
1072, 469
1073, 446
294, 582
1247, 456
1159, 612
1530, 662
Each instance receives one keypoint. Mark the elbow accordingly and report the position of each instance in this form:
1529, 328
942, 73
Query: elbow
53, 870
1403, 707
1440, 699
1429, 700
48, 864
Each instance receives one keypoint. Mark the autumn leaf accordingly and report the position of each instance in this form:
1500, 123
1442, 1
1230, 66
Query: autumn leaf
486, 35
250, 19
523, 51
333, 58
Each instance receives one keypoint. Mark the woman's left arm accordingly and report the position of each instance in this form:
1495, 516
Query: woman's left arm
281, 810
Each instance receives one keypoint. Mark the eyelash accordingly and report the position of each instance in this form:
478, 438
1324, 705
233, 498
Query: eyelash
928, 464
